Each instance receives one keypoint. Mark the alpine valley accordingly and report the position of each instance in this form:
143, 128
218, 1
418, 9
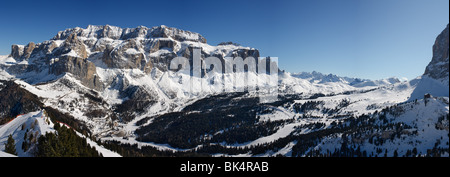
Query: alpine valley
108, 91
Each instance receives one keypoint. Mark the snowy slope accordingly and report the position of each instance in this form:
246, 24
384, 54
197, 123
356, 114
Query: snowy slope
423, 134
359, 103
429, 85
423, 128
4, 154
35, 124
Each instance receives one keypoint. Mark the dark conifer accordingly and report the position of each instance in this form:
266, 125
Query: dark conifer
10, 145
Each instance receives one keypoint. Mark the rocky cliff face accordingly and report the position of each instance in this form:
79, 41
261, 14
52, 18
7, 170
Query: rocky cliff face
78, 51
435, 80
438, 68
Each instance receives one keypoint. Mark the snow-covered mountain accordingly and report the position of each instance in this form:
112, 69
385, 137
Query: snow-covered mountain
81, 51
112, 86
317, 77
124, 70
435, 79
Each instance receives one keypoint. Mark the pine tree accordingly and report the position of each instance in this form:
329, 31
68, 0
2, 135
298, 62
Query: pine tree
10, 145
414, 152
408, 153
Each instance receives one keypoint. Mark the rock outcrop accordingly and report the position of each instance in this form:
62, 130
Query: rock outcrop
16, 51
82, 69
435, 80
438, 68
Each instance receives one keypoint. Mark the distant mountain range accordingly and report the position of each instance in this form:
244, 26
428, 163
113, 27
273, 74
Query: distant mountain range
317, 77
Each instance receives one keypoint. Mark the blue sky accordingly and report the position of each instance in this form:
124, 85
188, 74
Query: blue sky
358, 38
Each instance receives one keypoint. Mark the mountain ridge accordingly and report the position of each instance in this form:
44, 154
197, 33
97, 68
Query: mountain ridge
74, 50
317, 77
435, 79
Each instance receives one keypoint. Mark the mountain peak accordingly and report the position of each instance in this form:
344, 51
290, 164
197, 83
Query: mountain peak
438, 68
435, 79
